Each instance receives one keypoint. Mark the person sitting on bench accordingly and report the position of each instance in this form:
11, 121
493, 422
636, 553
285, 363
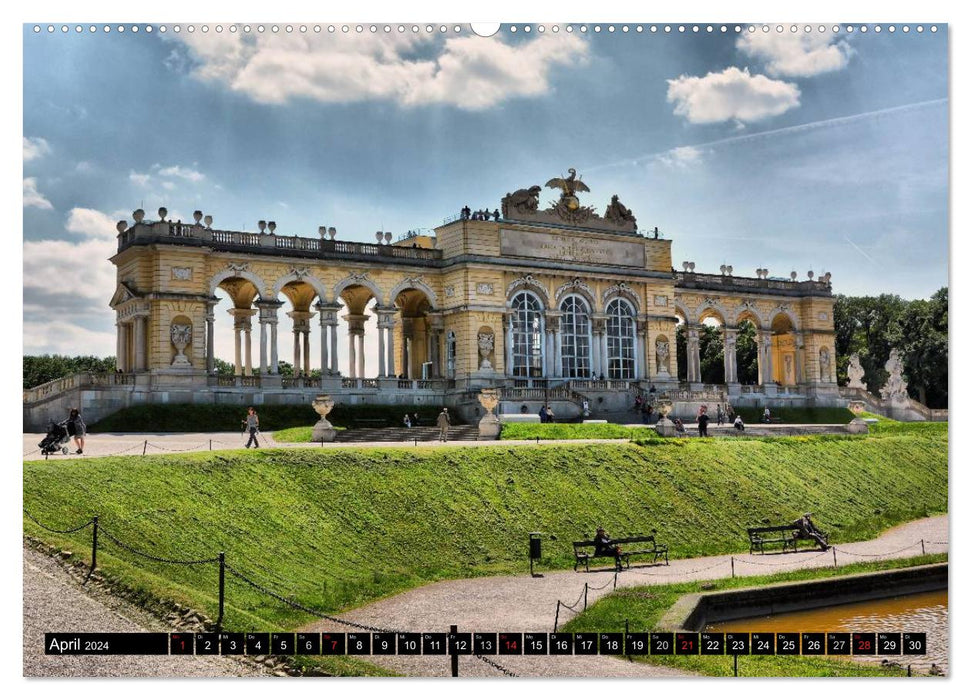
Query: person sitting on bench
603, 547
739, 425
806, 529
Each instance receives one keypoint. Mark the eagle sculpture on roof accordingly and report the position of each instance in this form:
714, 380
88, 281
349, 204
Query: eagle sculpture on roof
570, 185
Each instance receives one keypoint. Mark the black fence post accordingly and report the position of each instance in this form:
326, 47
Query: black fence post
144, 448
222, 590
586, 589
453, 629
556, 620
835, 566
735, 665
94, 547
733, 567
922, 550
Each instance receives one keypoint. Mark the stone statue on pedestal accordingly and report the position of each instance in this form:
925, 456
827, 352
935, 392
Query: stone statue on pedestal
854, 370
323, 431
181, 335
896, 387
487, 342
489, 424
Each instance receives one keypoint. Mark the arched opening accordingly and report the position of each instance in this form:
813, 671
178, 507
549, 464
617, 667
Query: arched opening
527, 335
621, 339
235, 297
575, 337
747, 352
415, 352
296, 356
785, 368
356, 320
711, 347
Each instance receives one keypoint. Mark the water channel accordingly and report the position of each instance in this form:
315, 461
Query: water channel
921, 612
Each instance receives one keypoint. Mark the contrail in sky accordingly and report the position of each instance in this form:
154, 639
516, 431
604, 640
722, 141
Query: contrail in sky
823, 123
859, 250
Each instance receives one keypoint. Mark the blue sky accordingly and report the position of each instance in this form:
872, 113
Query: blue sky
786, 151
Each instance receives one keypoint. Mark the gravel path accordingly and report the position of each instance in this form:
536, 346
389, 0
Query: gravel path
520, 603
54, 601
106, 444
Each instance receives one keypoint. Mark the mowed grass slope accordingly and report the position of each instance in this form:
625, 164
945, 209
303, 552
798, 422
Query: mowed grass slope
337, 528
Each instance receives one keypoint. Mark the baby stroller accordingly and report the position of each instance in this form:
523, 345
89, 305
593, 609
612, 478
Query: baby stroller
56, 439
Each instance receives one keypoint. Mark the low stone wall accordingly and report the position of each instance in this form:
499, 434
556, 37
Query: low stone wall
695, 611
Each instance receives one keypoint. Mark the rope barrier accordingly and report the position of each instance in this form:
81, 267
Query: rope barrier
496, 666
60, 532
184, 562
886, 554
677, 573
772, 563
297, 606
197, 448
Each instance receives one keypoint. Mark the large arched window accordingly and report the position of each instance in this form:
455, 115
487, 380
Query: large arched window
575, 337
527, 336
620, 340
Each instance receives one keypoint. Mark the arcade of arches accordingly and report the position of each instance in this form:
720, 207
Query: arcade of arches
521, 300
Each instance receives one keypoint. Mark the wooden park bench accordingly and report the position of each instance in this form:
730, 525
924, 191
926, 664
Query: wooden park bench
584, 550
758, 537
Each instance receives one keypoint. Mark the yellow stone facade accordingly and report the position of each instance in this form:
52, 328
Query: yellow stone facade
446, 306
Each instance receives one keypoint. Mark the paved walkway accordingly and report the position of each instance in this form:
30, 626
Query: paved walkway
55, 602
108, 444
520, 603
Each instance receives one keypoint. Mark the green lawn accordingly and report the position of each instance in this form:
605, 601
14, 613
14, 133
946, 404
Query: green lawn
179, 418
642, 607
301, 434
572, 431
831, 415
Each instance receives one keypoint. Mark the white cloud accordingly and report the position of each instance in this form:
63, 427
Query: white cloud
468, 72
33, 198
139, 178
168, 185
35, 147
41, 338
681, 157
182, 172
84, 167
796, 55
92, 224
731, 94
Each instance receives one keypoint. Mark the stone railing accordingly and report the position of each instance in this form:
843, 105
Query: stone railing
727, 282
77, 381
178, 232
716, 395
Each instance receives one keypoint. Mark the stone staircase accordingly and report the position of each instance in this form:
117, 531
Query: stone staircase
421, 433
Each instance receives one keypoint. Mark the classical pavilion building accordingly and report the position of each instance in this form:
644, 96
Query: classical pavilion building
558, 304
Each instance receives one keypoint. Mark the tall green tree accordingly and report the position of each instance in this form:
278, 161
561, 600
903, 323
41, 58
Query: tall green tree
681, 346
711, 347
40, 369
747, 353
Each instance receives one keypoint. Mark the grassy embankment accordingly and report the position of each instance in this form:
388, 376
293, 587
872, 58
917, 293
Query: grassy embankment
338, 528
642, 607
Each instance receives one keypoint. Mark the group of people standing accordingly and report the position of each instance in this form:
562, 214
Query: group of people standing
546, 414
479, 215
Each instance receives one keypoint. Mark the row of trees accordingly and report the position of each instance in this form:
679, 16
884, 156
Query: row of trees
868, 326
872, 326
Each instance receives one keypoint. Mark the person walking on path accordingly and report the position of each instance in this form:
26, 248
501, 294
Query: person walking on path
76, 429
719, 414
703, 425
252, 423
443, 422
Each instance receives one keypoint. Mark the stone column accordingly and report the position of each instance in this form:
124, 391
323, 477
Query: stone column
248, 330
360, 356
141, 354
306, 350
211, 337
237, 345
731, 362
694, 355
264, 338
558, 352
351, 356
645, 341
333, 347
119, 346
322, 315
390, 356
635, 370
382, 364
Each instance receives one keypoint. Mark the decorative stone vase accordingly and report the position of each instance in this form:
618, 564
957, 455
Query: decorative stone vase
664, 427
207, 220
181, 335
489, 423
197, 216
486, 344
323, 431
857, 425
